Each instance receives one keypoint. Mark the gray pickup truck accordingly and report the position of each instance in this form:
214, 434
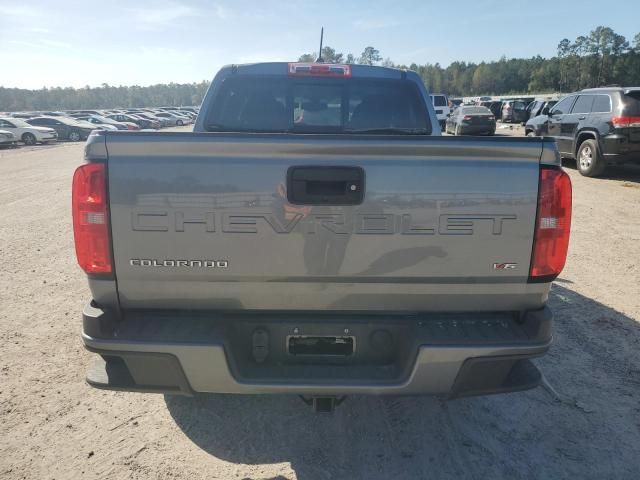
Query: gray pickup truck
316, 235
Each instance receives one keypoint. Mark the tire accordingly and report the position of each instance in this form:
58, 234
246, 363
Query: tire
179, 123
531, 133
29, 139
589, 160
75, 136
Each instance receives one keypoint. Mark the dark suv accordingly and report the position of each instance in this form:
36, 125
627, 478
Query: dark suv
514, 111
596, 126
539, 107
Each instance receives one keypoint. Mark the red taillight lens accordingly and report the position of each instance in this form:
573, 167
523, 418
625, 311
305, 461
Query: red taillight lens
626, 121
91, 218
466, 117
553, 223
319, 70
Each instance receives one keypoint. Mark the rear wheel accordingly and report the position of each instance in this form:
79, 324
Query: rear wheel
179, 123
530, 133
29, 139
74, 136
589, 160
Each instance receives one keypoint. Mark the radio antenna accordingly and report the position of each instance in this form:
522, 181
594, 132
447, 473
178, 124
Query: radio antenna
320, 59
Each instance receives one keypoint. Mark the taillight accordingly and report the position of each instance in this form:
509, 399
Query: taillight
467, 117
553, 223
91, 218
626, 121
319, 70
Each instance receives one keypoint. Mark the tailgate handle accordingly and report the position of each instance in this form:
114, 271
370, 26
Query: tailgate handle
307, 185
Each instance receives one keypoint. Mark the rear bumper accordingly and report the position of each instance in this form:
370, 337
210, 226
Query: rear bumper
618, 149
471, 129
444, 354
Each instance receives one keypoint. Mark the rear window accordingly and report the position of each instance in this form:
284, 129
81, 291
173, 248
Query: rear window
583, 104
632, 103
317, 105
439, 100
477, 111
601, 104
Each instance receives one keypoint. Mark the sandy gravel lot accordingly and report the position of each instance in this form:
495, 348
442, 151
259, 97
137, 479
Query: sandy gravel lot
53, 426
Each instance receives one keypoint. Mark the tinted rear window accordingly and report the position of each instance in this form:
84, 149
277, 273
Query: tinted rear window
601, 104
583, 104
317, 105
476, 111
439, 100
632, 103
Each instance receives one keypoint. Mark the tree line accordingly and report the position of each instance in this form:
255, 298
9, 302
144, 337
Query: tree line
599, 58
104, 96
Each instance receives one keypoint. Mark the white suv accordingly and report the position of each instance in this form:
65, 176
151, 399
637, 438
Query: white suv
441, 105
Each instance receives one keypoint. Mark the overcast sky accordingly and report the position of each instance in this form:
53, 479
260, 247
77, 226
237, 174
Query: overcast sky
124, 42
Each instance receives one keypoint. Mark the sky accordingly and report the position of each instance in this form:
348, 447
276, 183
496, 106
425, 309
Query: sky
123, 42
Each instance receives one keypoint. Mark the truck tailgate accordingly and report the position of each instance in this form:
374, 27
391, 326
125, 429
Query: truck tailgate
203, 221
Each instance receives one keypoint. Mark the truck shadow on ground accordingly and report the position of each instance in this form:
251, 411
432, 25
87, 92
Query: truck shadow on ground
588, 430
627, 172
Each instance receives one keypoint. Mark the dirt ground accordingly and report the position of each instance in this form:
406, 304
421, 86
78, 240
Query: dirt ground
584, 425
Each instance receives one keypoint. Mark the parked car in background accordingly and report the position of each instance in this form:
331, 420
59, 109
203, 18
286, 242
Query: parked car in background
472, 120
141, 122
67, 128
24, 115
173, 119
7, 139
101, 120
539, 107
94, 126
54, 114
190, 109
597, 127
441, 105
155, 121
186, 113
495, 107
514, 111
164, 122
28, 134
84, 112
175, 113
